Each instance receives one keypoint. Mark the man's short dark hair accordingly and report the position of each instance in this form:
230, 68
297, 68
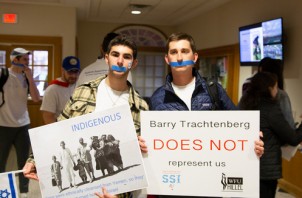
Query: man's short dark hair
123, 40
107, 40
181, 36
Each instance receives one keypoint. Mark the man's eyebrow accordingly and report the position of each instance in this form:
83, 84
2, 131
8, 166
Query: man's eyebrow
186, 49
120, 53
175, 49
128, 54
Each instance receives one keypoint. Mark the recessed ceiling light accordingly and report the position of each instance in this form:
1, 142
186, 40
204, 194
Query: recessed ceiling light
136, 12
138, 8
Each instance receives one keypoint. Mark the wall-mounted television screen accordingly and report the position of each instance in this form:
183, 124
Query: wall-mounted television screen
264, 39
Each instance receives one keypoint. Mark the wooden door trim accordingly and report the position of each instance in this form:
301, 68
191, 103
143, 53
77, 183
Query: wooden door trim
39, 40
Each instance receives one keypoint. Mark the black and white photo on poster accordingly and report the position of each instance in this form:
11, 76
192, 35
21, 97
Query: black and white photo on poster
77, 157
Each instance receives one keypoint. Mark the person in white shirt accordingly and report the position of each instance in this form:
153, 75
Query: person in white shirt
14, 117
59, 91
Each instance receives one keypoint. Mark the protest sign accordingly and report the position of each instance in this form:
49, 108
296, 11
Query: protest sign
79, 156
201, 153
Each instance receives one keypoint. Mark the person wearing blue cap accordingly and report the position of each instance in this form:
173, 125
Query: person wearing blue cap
59, 90
14, 117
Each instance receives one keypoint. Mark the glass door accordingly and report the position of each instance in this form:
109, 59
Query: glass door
222, 64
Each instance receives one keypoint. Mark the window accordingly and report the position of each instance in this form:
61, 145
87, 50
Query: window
38, 62
150, 73
39, 66
2, 58
143, 35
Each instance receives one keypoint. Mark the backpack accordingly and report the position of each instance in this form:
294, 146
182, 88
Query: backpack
214, 95
3, 79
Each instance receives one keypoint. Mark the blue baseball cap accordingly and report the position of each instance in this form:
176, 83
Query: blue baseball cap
71, 63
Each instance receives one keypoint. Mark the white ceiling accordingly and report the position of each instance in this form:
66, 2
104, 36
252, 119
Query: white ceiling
159, 12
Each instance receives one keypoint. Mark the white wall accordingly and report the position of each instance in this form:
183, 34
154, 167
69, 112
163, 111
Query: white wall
220, 27
43, 20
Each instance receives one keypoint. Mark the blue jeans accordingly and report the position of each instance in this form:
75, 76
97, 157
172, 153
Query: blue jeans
19, 137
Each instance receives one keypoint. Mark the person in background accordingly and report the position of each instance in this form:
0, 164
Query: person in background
275, 66
106, 92
14, 117
59, 91
262, 95
99, 67
185, 89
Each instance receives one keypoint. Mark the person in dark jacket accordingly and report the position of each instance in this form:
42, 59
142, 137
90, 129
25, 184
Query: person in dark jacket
185, 89
275, 66
262, 95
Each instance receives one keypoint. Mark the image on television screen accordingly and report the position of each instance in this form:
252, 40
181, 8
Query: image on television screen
261, 40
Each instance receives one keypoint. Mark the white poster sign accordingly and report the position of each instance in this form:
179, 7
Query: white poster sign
79, 156
202, 153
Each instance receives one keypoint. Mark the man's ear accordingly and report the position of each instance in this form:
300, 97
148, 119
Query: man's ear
134, 63
62, 71
195, 57
106, 59
166, 59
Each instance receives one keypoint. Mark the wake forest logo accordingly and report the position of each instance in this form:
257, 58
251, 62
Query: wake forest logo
231, 183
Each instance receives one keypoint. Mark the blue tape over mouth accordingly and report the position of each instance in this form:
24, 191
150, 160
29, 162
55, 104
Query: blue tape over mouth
183, 63
118, 69
17, 64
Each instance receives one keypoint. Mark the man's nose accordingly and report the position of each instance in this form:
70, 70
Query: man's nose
179, 57
120, 60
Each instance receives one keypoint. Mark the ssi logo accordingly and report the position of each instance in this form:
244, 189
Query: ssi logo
231, 183
171, 180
